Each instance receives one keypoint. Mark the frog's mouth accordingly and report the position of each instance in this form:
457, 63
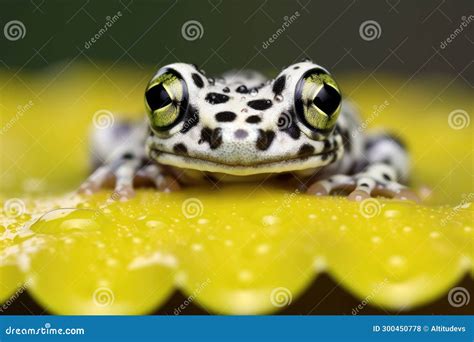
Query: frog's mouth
270, 166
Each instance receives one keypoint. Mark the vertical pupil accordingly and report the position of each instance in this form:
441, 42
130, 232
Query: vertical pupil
157, 97
328, 99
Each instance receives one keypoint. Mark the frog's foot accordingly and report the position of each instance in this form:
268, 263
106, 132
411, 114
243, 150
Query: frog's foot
375, 181
126, 177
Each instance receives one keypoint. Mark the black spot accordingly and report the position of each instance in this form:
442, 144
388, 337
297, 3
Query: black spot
242, 89
306, 150
386, 177
327, 146
296, 67
327, 99
265, 139
212, 136
180, 149
287, 124
128, 156
279, 85
226, 90
325, 156
191, 119
157, 97
216, 98
364, 185
346, 140
262, 104
197, 80
253, 119
225, 116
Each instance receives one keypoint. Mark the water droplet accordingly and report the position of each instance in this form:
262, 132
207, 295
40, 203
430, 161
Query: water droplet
203, 221
245, 276
154, 224
467, 229
279, 98
434, 235
396, 261
376, 239
197, 247
244, 110
407, 229
270, 220
263, 248
343, 228
391, 213
254, 92
312, 216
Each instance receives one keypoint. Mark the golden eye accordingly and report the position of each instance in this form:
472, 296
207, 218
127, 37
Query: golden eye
318, 100
166, 101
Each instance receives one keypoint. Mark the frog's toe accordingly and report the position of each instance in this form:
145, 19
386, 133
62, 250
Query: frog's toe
397, 191
95, 181
162, 182
122, 193
334, 183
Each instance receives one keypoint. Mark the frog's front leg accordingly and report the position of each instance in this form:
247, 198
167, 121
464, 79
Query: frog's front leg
379, 170
119, 152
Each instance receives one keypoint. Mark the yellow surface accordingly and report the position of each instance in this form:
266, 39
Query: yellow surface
248, 249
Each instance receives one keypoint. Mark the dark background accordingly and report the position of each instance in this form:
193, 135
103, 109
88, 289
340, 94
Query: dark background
148, 35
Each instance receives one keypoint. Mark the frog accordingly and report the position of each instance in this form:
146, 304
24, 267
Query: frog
242, 126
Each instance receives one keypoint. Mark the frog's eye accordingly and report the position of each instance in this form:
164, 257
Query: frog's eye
166, 99
318, 100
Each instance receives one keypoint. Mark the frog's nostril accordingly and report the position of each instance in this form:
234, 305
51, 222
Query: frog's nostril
240, 134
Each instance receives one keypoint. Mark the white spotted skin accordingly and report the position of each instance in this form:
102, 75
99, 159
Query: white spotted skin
241, 157
253, 142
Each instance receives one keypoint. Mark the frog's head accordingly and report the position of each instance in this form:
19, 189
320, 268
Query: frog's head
242, 125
